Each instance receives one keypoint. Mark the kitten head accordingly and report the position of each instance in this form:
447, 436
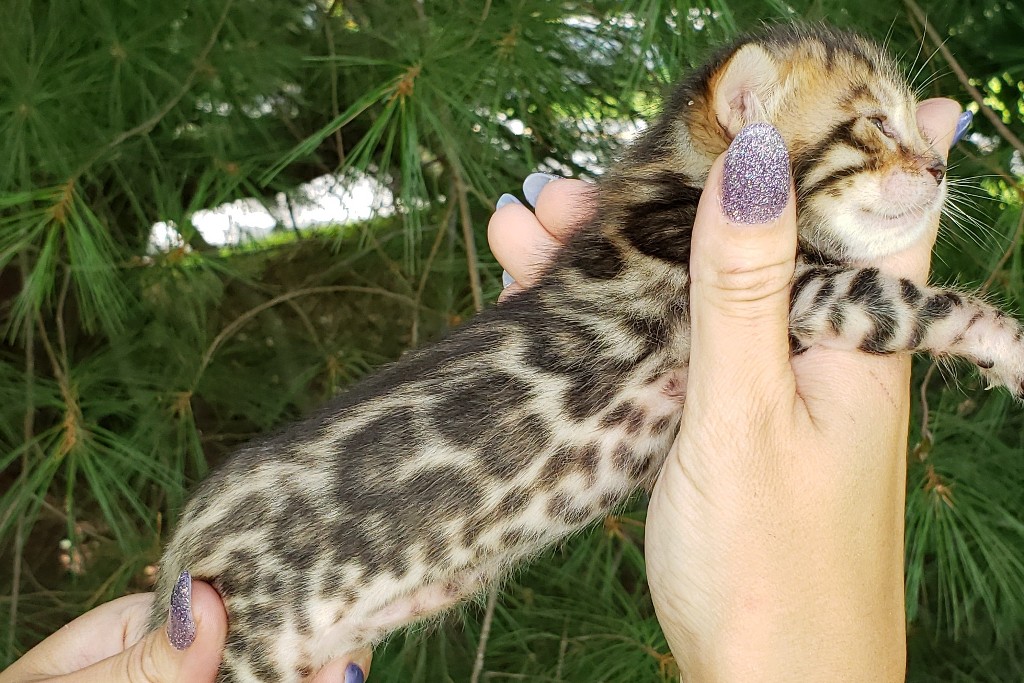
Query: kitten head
868, 182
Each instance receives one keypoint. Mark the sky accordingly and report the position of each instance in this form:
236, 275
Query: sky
323, 201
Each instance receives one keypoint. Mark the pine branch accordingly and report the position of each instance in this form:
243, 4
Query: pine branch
485, 633
1010, 249
339, 144
28, 434
444, 227
472, 262
150, 123
923, 28
479, 25
922, 449
238, 322
964, 79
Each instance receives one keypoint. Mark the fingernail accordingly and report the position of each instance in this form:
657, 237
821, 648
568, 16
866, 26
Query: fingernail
962, 124
755, 181
181, 629
506, 279
534, 183
353, 674
505, 200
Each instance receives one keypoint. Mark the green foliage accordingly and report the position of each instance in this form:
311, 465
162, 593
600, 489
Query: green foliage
126, 374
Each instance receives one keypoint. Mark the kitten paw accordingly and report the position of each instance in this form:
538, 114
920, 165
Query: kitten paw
1004, 367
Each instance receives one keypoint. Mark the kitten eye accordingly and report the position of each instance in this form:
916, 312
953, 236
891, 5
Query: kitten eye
879, 123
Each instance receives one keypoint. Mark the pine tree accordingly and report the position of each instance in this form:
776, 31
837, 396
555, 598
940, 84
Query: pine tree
126, 373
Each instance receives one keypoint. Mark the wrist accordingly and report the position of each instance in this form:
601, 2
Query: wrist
802, 585
833, 626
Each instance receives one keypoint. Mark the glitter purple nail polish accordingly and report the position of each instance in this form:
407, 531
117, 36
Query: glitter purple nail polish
181, 629
755, 182
353, 674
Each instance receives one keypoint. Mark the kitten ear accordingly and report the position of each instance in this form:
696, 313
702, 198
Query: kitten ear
744, 91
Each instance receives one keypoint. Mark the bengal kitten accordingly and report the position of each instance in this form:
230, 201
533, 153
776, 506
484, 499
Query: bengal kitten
432, 478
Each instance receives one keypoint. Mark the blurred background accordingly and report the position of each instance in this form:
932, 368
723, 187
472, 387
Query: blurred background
216, 214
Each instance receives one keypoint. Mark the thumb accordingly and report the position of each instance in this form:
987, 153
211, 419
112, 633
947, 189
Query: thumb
941, 122
188, 649
741, 263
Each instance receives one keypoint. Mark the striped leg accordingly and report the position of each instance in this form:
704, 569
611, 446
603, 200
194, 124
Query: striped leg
861, 308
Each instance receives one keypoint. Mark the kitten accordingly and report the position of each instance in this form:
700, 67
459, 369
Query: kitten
434, 477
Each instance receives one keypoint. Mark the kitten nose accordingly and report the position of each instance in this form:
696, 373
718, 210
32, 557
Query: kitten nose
938, 170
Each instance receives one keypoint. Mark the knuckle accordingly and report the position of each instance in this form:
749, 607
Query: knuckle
143, 663
745, 282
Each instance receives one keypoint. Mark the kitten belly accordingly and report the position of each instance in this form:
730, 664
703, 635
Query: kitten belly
628, 454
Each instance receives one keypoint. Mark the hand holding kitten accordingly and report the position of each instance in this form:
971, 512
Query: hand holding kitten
775, 547
761, 572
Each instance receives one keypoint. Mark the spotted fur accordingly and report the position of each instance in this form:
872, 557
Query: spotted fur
437, 475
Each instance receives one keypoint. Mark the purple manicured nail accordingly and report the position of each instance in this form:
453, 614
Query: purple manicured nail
534, 183
181, 629
755, 181
962, 124
353, 674
505, 200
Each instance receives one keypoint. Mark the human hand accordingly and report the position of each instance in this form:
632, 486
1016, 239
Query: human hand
774, 535
775, 531
110, 644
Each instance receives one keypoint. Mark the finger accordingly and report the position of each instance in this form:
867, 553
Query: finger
509, 291
102, 632
188, 649
742, 261
564, 205
937, 118
352, 669
519, 242
523, 241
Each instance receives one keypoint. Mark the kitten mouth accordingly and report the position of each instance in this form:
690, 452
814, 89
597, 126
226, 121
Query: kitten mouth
882, 219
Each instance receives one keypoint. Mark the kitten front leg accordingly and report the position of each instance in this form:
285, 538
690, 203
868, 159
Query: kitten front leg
861, 308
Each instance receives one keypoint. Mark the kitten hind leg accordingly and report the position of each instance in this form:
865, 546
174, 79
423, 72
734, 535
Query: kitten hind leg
359, 629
